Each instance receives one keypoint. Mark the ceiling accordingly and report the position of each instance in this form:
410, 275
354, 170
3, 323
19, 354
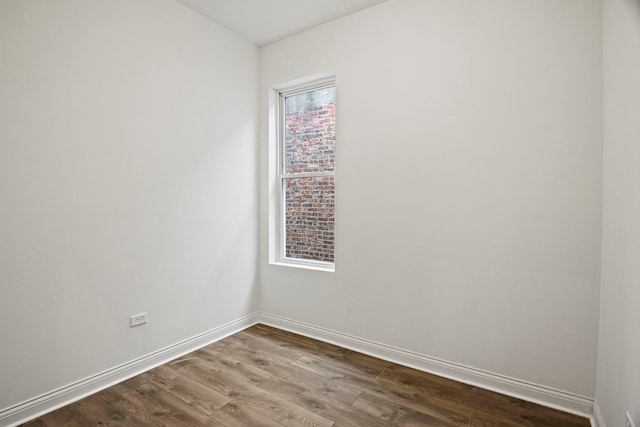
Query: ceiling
265, 21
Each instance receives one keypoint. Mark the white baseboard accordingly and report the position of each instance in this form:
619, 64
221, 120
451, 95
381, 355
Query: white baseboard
597, 420
48, 402
557, 399
568, 402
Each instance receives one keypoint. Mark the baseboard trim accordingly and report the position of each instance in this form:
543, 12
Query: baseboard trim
558, 399
597, 420
550, 397
33, 408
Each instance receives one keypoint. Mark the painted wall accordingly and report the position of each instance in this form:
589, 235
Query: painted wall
128, 183
468, 183
618, 386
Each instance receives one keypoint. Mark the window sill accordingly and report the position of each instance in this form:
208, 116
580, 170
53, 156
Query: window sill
304, 265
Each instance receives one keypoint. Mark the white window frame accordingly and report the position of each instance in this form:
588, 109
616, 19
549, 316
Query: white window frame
279, 175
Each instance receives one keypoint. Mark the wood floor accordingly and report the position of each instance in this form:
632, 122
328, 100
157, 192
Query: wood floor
267, 377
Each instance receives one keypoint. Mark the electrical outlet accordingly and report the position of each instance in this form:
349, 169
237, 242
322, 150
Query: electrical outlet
138, 319
630, 422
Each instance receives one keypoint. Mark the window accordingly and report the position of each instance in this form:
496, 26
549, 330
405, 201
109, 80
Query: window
305, 180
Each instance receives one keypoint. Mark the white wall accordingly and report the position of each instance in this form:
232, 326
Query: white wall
127, 183
468, 183
618, 388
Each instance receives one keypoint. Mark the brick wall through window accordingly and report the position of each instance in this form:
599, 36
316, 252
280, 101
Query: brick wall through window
310, 201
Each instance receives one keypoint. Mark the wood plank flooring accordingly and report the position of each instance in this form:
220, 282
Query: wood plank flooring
263, 376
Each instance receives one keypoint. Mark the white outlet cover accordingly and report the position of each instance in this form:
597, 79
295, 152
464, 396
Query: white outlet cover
630, 422
138, 319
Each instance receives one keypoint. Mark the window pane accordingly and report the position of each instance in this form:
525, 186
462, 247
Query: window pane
309, 218
310, 131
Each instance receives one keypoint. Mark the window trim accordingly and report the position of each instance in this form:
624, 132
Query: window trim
277, 218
